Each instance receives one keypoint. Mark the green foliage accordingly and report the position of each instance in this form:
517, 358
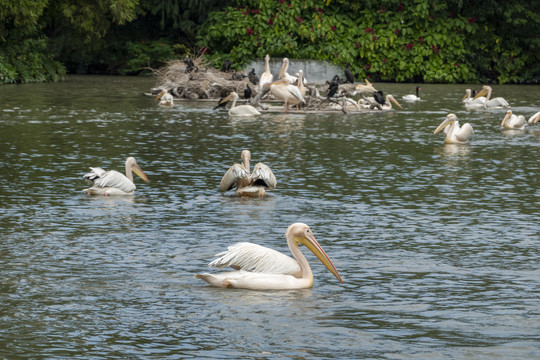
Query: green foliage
416, 40
29, 61
147, 54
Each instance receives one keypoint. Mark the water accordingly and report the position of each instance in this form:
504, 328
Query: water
438, 245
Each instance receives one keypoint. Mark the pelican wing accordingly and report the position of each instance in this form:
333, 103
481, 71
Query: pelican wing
235, 173
256, 258
294, 91
464, 133
262, 175
110, 179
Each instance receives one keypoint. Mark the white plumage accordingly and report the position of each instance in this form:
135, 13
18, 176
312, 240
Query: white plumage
247, 184
112, 182
455, 134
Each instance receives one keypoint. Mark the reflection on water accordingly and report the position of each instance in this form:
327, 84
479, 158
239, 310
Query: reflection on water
437, 244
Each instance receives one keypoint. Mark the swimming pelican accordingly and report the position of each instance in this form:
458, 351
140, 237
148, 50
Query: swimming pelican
266, 76
240, 110
248, 185
413, 97
367, 88
512, 121
491, 103
455, 134
534, 119
112, 182
261, 268
285, 91
166, 98
471, 102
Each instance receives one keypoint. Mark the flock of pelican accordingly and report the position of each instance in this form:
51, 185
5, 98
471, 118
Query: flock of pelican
255, 267
258, 267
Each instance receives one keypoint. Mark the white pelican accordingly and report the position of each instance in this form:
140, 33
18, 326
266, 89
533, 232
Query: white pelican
166, 98
301, 89
112, 182
260, 268
367, 88
266, 76
240, 110
413, 97
471, 102
248, 185
287, 92
284, 75
512, 121
455, 134
534, 119
491, 103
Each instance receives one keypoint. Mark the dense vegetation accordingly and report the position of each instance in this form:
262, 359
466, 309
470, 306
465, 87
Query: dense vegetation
386, 40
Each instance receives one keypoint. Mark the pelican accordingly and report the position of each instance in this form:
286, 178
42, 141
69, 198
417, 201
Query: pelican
284, 75
512, 121
260, 268
491, 103
266, 76
285, 91
166, 98
240, 110
248, 185
112, 182
413, 97
534, 119
367, 88
455, 134
301, 88
472, 102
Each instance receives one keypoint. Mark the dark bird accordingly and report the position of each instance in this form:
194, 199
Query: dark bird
253, 77
226, 65
348, 74
247, 92
238, 76
379, 97
190, 65
333, 87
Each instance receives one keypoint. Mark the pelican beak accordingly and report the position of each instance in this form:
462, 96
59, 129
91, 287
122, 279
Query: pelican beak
465, 97
481, 93
508, 113
442, 125
138, 171
226, 99
278, 82
163, 92
395, 102
308, 240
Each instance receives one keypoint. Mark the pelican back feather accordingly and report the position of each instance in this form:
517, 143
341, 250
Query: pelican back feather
262, 175
256, 258
114, 179
232, 176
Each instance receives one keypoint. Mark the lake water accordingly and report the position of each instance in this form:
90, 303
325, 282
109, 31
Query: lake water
438, 245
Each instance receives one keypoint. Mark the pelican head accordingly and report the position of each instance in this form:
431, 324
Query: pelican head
448, 121
467, 95
506, 117
246, 157
284, 68
392, 99
484, 92
131, 165
302, 234
161, 93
